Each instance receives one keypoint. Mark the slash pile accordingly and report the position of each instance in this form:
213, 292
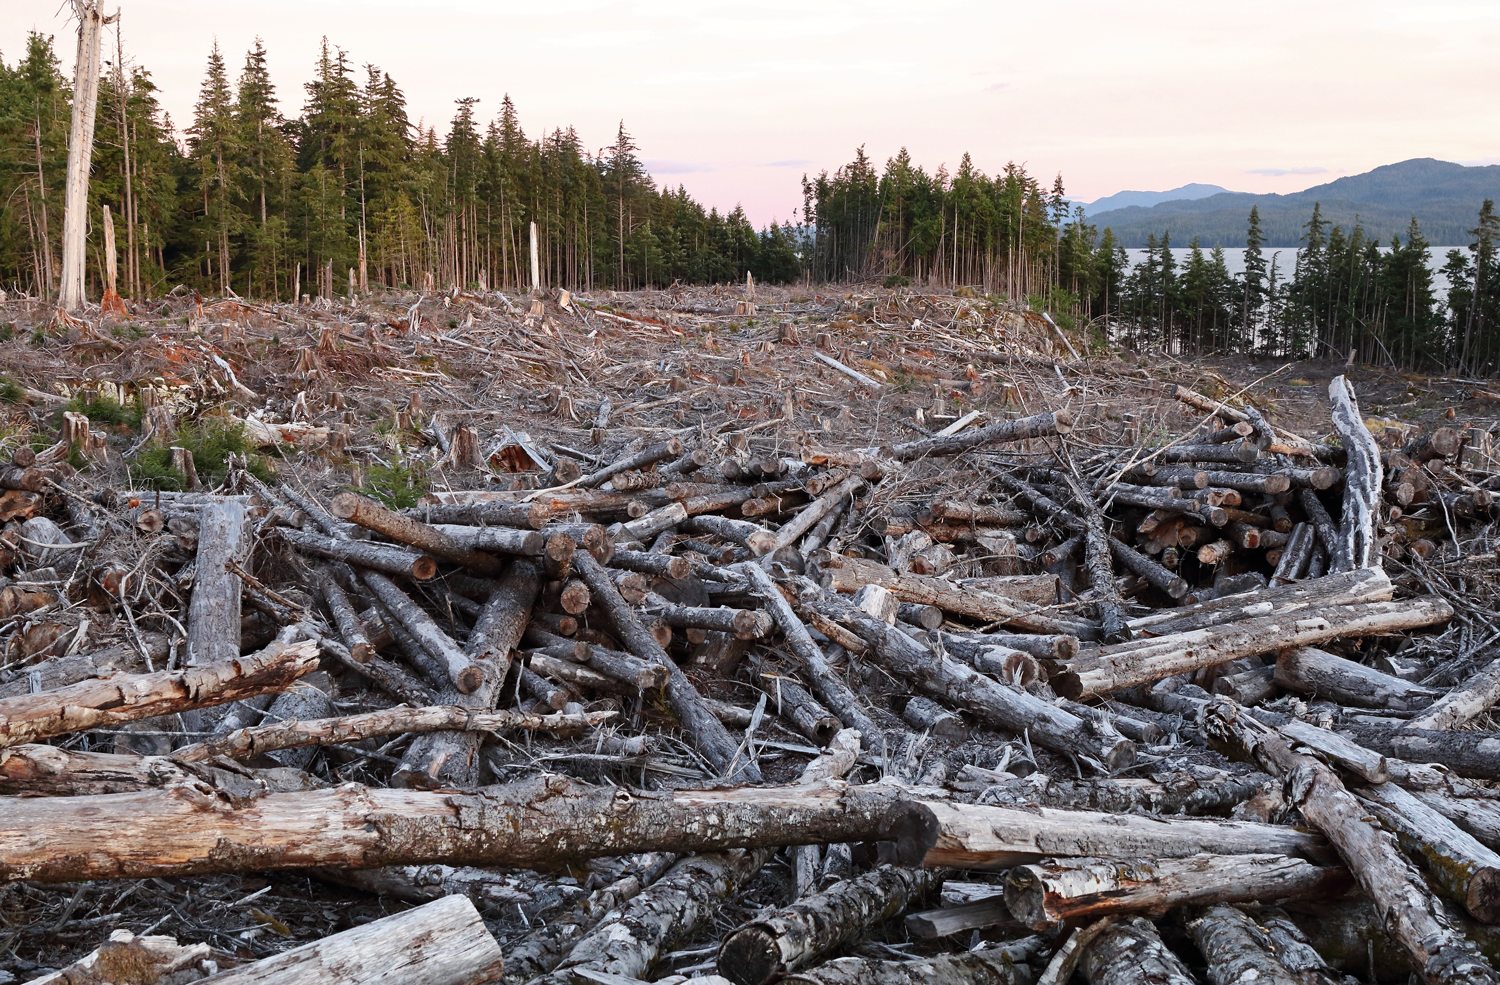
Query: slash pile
1010, 702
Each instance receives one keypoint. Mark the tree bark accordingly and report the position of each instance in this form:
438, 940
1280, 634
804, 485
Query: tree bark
464, 674
800, 934
499, 540
62, 671
1131, 952
1086, 888
213, 625
707, 732
769, 543
523, 516
1307, 670
106, 701
1470, 754
1113, 668
824, 682
539, 823
1411, 914
1349, 588
1463, 868
248, 743
1237, 950
51, 771
993, 966
1037, 426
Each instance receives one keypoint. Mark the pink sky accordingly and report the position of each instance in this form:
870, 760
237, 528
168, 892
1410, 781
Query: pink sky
737, 100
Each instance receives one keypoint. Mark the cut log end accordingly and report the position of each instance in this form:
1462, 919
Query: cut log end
750, 956
469, 679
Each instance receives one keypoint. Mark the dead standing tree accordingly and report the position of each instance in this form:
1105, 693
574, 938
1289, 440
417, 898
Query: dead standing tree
91, 21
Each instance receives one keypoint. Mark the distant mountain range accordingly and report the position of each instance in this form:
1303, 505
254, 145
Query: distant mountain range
1445, 198
1124, 200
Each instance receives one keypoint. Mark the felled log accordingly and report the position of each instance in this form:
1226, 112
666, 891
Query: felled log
1008, 707
542, 949
1130, 951
1171, 796
1470, 699
798, 935
1411, 914
385, 558
59, 672
1463, 868
444, 942
972, 836
524, 516
708, 733
1236, 948
1308, 670
992, 966
761, 544
1042, 894
848, 575
213, 624
1363, 477
671, 448
541, 822
458, 668
38, 770
102, 702
498, 540
1348, 588
829, 688
424, 537
248, 743
1123, 665
1471, 754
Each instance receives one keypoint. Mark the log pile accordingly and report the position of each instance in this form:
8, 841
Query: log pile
1007, 703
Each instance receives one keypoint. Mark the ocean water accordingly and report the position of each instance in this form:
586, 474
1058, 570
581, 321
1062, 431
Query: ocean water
1285, 258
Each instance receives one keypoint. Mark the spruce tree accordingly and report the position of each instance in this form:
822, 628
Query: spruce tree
1253, 281
213, 145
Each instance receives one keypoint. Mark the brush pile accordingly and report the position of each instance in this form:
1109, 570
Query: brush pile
1034, 695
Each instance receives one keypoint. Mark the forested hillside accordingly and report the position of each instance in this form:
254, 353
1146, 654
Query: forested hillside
258, 196
1441, 194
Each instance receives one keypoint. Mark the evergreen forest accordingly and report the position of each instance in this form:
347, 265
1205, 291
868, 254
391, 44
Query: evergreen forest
255, 198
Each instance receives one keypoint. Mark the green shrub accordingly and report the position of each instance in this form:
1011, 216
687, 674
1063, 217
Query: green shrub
107, 410
897, 280
11, 392
211, 441
399, 485
7, 332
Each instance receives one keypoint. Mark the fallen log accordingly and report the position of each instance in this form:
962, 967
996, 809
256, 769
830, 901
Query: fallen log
537, 823
1471, 754
213, 623
1040, 895
385, 558
1363, 477
412, 532
61, 671
1308, 670
972, 836
798, 935
444, 942
38, 770
1463, 868
1123, 665
1037, 426
1412, 915
1470, 699
105, 701
248, 743
458, 668
992, 966
1349, 588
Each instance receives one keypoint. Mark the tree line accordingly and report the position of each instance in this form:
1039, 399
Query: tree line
264, 204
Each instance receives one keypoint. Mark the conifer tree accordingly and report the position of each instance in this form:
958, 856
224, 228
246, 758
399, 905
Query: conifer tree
214, 145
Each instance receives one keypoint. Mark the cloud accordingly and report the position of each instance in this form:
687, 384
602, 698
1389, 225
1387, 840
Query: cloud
677, 167
795, 162
996, 87
1283, 172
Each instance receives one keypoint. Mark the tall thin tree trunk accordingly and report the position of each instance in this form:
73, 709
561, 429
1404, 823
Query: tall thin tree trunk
91, 21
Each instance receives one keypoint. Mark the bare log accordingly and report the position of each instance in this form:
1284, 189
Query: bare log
37, 770
1123, 665
769, 543
537, 823
59, 672
1042, 894
1463, 868
1308, 670
464, 674
498, 540
1349, 588
524, 516
1470, 754
1362, 483
992, 966
424, 537
444, 942
214, 609
106, 701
